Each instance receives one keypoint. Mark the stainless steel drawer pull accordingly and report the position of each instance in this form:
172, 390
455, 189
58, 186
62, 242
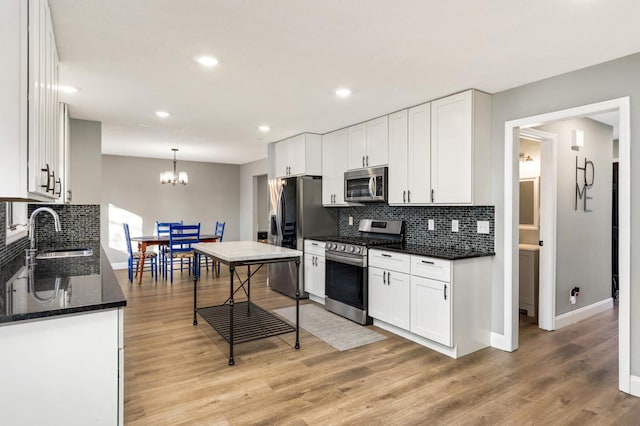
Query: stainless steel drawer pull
385, 255
428, 262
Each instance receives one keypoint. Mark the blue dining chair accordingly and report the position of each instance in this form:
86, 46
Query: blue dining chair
162, 230
150, 259
219, 231
181, 239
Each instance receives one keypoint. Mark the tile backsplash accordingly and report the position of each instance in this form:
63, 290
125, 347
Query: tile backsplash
80, 223
416, 224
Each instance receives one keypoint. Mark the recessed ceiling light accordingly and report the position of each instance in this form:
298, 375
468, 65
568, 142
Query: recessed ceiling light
68, 89
264, 129
162, 114
343, 92
207, 61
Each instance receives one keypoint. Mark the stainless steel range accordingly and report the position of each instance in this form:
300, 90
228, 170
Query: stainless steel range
346, 280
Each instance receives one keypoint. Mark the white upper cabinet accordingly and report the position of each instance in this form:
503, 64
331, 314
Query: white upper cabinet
29, 105
334, 164
368, 144
298, 156
409, 156
461, 149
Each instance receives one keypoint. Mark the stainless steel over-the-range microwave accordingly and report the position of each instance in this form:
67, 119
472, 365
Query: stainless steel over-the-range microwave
366, 185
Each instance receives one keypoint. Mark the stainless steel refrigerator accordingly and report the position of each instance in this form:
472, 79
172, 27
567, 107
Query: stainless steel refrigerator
296, 213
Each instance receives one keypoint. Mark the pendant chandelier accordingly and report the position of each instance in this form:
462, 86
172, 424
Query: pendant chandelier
174, 177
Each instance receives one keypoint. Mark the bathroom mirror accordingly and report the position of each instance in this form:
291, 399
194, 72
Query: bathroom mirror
529, 203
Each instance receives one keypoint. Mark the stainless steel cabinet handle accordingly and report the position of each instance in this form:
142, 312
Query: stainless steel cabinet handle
432, 191
384, 277
404, 196
428, 262
367, 160
363, 161
59, 183
314, 244
409, 196
385, 255
388, 278
445, 292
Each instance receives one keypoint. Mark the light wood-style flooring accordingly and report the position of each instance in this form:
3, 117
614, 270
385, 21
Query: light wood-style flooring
176, 373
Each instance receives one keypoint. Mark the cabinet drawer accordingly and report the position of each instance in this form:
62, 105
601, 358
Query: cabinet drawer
428, 267
314, 247
390, 261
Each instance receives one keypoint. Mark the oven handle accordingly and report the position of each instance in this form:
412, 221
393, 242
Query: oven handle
355, 261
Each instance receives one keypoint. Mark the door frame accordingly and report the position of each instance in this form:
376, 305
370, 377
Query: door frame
509, 341
547, 224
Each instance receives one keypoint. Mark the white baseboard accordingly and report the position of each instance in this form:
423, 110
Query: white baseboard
120, 265
634, 386
583, 313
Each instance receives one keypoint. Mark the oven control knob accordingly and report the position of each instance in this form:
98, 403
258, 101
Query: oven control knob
329, 246
352, 249
358, 250
342, 247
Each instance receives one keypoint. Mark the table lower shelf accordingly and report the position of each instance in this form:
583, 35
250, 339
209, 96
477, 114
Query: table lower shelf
250, 322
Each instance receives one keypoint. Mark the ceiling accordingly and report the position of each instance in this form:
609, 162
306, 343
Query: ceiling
280, 62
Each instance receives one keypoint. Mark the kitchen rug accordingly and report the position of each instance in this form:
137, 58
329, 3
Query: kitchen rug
339, 332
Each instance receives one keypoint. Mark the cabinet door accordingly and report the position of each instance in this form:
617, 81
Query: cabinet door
320, 276
378, 293
297, 155
282, 158
398, 157
377, 142
451, 149
309, 273
399, 299
334, 164
431, 309
419, 155
356, 146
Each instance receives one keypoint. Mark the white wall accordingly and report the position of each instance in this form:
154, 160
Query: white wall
249, 199
606, 81
86, 176
262, 208
583, 247
133, 184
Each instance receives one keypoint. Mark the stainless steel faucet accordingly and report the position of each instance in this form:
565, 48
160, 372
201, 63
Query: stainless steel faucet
32, 227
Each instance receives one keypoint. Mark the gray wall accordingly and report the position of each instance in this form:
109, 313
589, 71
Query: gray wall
583, 249
86, 166
614, 79
133, 184
249, 198
262, 207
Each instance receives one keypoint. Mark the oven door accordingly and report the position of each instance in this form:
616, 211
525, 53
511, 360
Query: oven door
346, 279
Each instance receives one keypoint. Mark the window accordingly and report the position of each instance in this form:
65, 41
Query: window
16, 221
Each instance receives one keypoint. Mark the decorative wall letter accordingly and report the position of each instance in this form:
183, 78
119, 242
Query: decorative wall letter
581, 193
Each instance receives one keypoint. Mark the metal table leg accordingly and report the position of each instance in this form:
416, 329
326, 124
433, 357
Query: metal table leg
195, 298
232, 270
297, 303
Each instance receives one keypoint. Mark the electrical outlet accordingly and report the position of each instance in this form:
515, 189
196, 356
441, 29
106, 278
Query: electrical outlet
483, 227
454, 225
431, 225
350, 220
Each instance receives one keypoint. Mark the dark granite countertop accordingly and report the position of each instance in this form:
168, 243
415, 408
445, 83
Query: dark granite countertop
58, 287
447, 253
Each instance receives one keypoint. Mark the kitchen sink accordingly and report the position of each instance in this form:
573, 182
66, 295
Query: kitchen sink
63, 253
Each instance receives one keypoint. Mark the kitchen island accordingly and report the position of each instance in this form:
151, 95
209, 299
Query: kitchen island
253, 322
61, 328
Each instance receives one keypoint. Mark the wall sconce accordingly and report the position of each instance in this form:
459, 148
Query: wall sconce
524, 157
577, 139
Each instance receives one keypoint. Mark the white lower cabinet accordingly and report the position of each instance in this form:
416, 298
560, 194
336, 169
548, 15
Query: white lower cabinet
389, 296
314, 270
64, 370
444, 305
431, 309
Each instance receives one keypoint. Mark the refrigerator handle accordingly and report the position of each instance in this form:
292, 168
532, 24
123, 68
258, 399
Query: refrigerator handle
282, 206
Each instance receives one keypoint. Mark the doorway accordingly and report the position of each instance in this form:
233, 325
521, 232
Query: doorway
510, 279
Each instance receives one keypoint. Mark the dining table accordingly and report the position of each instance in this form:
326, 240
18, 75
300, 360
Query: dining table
145, 241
